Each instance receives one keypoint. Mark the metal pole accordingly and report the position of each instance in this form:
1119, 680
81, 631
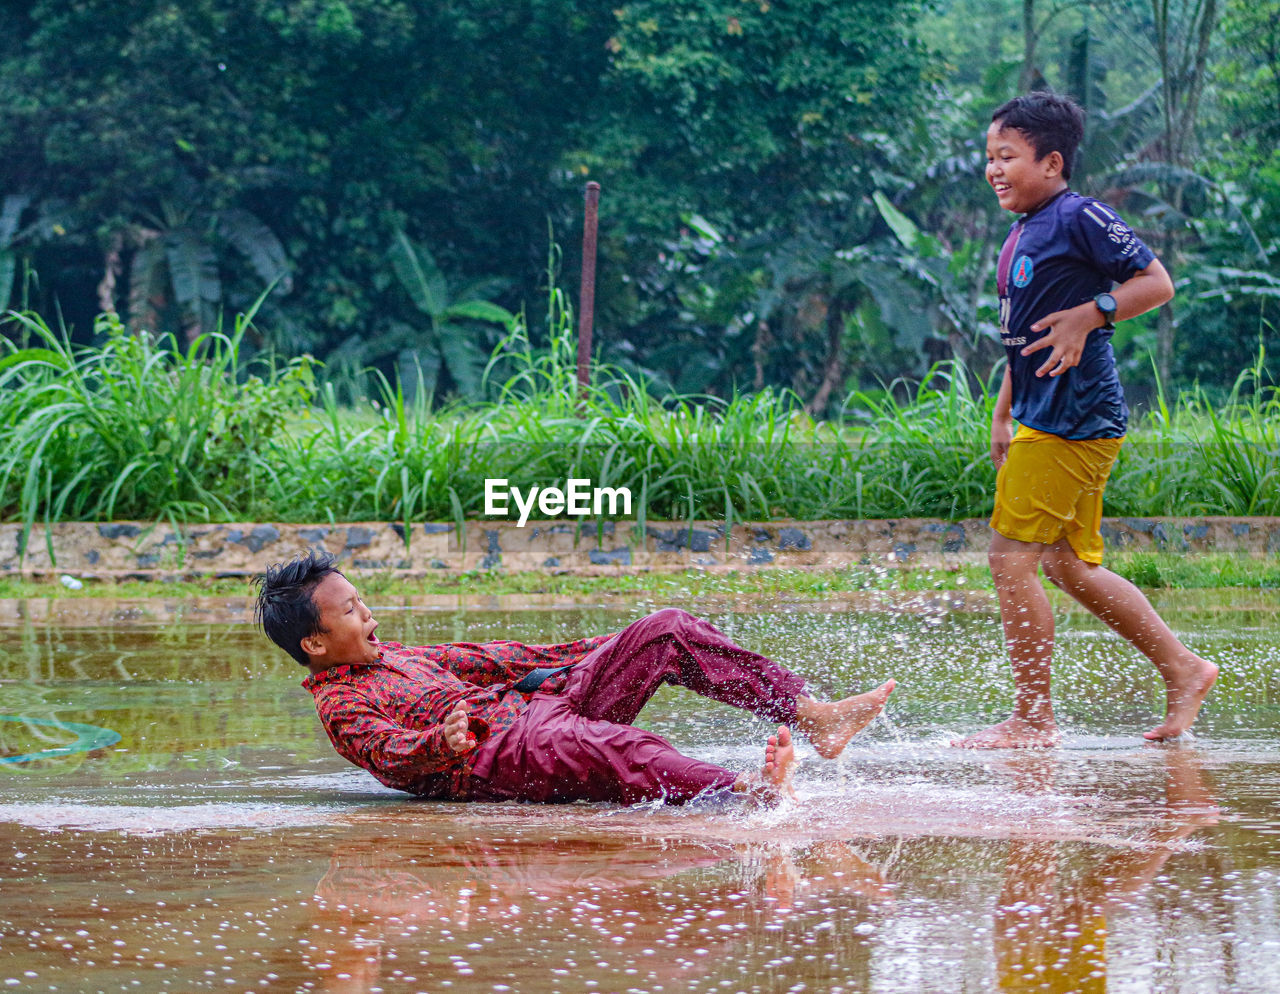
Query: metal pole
587, 296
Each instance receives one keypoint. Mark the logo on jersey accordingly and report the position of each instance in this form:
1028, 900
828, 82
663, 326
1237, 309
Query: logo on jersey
1121, 234
1022, 271
1117, 231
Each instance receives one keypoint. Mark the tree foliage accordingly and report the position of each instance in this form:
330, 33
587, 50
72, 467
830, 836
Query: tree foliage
749, 135
763, 163
332, 124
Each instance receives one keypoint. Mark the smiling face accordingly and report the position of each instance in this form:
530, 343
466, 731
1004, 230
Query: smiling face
346, 626
1021, 181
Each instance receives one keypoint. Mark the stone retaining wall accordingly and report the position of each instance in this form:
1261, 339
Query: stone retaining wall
156, 551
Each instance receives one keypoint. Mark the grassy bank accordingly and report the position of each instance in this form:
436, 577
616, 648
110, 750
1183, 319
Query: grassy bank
136, 429
1149, 570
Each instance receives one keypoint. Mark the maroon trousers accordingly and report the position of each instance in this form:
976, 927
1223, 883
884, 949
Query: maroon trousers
580, 744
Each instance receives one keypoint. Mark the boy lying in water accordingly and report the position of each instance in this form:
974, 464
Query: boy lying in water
504, 721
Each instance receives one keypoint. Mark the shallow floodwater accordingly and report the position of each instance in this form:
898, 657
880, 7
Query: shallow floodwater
219, 845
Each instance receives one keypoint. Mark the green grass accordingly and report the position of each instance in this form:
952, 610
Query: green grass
136, 428
765, 583
1194, 458
1196, 572
1148, 570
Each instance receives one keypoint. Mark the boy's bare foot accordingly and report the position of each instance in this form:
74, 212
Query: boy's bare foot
1184, 695
1016, 733
773, 784
829, 725
780, 762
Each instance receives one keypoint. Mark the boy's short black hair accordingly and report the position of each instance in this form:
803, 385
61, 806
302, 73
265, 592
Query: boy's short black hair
285, 608
1052, 123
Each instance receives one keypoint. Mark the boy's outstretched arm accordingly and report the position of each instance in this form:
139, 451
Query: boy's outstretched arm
1068, 329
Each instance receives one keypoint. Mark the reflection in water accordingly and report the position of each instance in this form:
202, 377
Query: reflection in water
1050, 925
51, 738
720, 900
396, 896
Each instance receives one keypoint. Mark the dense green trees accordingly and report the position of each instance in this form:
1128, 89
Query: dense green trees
332, 124
761, 127
170, 161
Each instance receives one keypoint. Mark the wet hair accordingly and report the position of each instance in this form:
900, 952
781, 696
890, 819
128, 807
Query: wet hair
285, 608
1051, 122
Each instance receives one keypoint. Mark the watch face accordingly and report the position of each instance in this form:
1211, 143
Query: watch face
1106, 303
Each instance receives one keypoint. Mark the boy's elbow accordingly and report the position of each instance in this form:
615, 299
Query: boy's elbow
1162, 285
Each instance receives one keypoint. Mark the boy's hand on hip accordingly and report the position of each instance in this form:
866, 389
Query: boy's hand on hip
456, 732
1067, 333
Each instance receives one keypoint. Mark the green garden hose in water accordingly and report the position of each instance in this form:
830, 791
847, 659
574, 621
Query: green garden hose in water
89, 737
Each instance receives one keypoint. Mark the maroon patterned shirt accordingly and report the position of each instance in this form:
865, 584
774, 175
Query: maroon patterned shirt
388, 716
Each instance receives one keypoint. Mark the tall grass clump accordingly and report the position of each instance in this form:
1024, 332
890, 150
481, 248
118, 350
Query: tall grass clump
401, 461
682, 457
139, 427
1241, 445
136, 428
1197, 458
922, 449
911, 450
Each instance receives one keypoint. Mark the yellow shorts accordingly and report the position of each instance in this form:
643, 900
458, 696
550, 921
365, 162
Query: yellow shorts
1051, 488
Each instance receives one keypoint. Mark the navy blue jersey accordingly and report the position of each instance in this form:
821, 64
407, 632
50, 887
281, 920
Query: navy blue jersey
1062, 255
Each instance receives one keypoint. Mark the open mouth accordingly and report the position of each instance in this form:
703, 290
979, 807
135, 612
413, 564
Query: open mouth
371, 638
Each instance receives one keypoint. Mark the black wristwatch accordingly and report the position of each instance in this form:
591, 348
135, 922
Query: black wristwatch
1107, 305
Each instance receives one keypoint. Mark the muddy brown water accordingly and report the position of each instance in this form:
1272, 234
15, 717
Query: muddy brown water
220, 845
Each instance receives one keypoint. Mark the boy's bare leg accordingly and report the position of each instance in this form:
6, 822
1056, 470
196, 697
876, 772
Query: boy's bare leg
773, 783
1122, 606
829, 725
1027, 618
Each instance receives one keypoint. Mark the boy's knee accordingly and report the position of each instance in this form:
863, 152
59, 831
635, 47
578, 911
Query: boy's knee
1056, 570
1063, 567
1002, 563
669, 619
1012, 564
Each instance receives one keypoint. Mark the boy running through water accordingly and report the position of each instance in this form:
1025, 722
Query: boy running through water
1054, 278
